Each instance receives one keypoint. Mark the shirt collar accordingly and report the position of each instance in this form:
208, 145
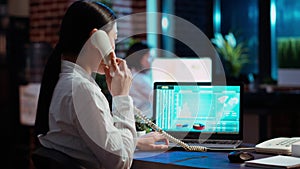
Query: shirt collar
70, 67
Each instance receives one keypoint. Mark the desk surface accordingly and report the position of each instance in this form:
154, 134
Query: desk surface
185, 160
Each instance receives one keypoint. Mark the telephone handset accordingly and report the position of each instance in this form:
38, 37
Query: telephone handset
280, 145
99, 44
100, 40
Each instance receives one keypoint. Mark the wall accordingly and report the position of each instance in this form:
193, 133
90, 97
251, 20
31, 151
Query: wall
45, 17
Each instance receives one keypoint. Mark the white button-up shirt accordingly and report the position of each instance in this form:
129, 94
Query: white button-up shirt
82, 126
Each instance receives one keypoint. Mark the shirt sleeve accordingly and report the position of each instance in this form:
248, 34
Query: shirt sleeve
111, 137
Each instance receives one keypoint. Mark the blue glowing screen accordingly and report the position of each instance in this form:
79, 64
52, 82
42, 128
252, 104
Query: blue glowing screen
198, 108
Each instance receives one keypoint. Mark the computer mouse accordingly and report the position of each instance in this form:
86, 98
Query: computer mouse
239, 156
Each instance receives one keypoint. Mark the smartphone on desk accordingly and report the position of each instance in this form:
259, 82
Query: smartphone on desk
280, 145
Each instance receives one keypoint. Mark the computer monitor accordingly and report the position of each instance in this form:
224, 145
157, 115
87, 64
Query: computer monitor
182, 69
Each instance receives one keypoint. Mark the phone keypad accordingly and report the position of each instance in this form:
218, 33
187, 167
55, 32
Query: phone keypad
287, 142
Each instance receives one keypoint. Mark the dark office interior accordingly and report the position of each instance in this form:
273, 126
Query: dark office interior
269, 30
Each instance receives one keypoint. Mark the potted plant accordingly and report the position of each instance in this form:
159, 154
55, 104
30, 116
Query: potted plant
234, 55
141, 127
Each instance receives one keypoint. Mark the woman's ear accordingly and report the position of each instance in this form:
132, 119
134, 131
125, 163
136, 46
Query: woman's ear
93, 31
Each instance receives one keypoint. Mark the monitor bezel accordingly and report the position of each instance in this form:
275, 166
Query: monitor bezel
197, 135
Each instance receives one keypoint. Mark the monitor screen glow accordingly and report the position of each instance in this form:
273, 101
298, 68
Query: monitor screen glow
182, 69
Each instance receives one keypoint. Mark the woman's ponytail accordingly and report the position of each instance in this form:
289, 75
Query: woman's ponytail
49, 81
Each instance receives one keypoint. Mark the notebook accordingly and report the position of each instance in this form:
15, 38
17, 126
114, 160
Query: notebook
200, 113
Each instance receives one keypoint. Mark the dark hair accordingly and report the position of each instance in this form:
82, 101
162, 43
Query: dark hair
79, 20
135, 53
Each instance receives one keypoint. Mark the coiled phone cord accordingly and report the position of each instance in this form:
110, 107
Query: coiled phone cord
168, 136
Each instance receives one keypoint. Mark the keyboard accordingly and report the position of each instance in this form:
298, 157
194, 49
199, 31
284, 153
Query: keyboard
221, 144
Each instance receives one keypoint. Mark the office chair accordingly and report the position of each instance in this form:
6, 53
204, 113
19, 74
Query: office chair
45, 158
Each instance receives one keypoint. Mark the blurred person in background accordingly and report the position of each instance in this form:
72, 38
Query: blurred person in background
138, 58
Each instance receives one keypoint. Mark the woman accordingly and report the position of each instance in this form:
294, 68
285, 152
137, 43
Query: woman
73, 116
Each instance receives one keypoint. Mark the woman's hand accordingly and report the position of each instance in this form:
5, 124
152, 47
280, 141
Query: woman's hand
147, 142
118, 77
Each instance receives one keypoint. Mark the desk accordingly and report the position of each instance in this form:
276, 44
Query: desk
185, 160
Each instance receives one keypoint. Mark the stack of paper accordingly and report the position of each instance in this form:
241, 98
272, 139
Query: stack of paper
279, 161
